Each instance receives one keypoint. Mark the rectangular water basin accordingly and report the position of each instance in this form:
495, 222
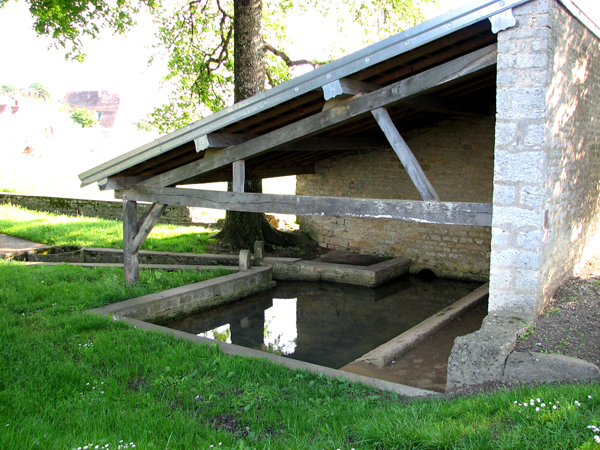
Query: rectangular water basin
324, 323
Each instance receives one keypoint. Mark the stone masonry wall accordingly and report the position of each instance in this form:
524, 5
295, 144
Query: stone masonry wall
457, 157
103, 209
546, 158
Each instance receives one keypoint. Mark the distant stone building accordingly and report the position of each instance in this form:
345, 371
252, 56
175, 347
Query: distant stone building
104, 103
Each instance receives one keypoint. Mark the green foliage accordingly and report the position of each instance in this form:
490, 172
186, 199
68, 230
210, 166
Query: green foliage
38, 91
84, 117
8, 88
68, 21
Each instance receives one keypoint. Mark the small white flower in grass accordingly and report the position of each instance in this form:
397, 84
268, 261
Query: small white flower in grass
538, 400
589, 396
555, 407
577, 403
597, 439
515, 402
537, 409
543, 405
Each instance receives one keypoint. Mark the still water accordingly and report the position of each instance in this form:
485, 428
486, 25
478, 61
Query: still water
324, 323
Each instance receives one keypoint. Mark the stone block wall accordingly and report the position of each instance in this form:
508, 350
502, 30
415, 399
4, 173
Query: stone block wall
103, 209
546, 159
457, 157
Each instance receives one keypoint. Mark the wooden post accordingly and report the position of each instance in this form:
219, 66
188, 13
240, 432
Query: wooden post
408, 160
239, 175
130, 230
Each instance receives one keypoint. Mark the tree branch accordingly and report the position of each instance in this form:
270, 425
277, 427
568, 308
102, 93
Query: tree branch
287, 60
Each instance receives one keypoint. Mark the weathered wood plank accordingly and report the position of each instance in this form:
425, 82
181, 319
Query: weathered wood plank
453, 213
239, 175
442, 75
146, 224
407, 158
217, 141
220, 140
114, 183
130, 229
347, 87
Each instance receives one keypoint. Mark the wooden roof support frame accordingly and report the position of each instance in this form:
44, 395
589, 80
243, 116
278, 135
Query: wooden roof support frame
435, 78
453, 213
135, 233
344, 88
407, 158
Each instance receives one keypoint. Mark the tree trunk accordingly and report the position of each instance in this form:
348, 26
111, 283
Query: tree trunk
242, 229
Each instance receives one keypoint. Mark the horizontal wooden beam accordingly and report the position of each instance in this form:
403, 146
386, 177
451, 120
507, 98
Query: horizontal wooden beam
347, 87
254, 174
218, 141
452, 213
440, 76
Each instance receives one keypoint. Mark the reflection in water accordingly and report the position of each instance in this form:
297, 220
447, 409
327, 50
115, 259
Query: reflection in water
222, 334
325, 323
280, 327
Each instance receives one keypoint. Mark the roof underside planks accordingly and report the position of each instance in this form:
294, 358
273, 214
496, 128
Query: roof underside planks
435, 42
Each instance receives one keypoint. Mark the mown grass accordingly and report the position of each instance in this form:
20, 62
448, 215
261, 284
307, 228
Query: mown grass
58, 230
69, 379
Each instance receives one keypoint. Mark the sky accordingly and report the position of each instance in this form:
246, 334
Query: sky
120, 63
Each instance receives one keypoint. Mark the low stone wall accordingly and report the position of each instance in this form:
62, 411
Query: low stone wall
186, 300
103, 209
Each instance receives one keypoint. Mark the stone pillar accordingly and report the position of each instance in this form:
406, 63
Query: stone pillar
245, 260
520, 165
259, 252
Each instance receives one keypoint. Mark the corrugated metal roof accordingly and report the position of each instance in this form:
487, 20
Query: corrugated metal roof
433, 42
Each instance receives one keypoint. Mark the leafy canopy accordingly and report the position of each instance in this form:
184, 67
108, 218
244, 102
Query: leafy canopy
68, 21
196, 37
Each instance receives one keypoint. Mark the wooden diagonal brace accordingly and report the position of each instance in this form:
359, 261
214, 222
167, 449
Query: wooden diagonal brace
146, 224
407, 158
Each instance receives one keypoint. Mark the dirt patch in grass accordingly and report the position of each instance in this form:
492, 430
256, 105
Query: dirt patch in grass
570, 323
230, 423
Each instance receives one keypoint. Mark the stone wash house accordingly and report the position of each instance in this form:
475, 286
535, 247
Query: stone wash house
469, 144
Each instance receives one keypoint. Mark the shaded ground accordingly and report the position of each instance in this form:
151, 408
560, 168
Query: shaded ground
570, 323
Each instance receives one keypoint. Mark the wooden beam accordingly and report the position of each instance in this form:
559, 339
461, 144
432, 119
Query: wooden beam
452, 213
220, 140
116, 182
217, 141
440, 76
146, 224
431, 103
407, 158
347, 87
239, 175
130, 229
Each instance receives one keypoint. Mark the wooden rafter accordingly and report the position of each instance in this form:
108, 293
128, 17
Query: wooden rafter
442, 75
453, 213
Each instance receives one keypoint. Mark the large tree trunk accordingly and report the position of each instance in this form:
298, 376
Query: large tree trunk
241, 229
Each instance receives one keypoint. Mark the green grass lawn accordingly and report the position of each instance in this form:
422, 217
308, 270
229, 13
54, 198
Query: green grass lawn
69, 379
58, 230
